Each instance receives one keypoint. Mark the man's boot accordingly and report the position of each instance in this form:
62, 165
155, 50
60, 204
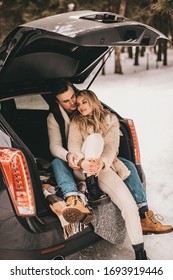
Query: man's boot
95, 194
75, 211
151, 225
140, 253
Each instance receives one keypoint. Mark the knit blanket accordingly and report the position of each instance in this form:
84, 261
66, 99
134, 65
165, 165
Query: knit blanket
107, 223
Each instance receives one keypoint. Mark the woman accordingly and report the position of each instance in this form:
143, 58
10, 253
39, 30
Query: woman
94, 137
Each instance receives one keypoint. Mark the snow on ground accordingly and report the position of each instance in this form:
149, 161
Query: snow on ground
146, 96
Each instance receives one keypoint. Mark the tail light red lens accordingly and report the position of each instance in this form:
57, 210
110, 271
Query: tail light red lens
135, 140
17, 177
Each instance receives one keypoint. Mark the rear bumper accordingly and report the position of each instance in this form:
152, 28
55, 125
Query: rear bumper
75, 244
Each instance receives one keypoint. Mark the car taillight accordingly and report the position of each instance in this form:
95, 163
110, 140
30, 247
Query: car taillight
135, 140
17, 177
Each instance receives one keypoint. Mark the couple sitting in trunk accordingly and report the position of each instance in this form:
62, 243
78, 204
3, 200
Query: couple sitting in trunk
90, 154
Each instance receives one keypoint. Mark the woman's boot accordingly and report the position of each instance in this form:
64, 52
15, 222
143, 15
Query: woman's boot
140, 253
95, 194
76, 212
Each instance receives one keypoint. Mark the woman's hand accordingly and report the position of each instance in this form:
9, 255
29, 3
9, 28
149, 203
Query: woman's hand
100, 165
92, 166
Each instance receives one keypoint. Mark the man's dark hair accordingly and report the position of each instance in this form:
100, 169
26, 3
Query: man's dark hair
62, 86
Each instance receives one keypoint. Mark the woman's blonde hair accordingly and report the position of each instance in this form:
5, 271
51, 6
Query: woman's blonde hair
98, 118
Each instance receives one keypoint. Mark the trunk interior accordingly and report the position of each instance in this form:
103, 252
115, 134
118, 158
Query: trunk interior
27, 116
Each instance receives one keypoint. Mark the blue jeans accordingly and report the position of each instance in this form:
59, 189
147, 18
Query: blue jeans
64, 177
134, 184
65, 180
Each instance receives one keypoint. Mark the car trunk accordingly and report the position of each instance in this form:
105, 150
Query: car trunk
33, 58
30, 125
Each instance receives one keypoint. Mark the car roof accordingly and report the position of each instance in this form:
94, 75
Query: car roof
70, 45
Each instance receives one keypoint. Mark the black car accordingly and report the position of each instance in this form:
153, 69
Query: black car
32, 59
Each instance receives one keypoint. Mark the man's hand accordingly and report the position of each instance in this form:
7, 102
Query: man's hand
92, 166
71, 158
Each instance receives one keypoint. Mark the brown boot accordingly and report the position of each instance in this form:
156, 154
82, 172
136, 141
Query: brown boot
75, 211
151, 225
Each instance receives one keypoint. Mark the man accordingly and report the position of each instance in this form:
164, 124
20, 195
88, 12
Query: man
58, 124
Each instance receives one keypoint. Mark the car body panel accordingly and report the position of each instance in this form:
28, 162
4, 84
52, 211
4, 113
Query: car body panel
90, 28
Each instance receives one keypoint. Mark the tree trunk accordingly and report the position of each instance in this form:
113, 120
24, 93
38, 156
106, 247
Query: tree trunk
143, 49
118, 67
122, 8
130, 52
159, 53
136, 63
165, 53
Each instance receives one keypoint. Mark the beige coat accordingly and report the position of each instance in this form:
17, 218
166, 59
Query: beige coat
111, 145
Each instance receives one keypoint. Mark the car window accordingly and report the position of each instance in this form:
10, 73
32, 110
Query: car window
31, 102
